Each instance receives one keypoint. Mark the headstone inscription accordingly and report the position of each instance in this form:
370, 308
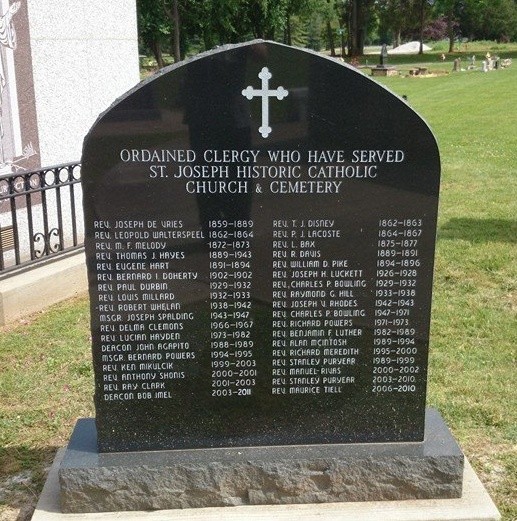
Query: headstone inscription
260, 228
247, 265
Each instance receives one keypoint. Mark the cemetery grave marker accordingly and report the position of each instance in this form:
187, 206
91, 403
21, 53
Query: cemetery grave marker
260, 267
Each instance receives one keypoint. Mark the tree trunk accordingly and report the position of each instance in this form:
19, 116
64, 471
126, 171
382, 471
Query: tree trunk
342, 36
450, 29
174, 17
330, 34
156, 47
208, 39
287, 30
176, 51
422, 6
398, 37
358, 18
353, 44
330, 37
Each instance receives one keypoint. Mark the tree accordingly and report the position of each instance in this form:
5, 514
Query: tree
171, 9
174, 23
216, 22
153, 28
423, 11
355, 16
296, 8
449, 10
329, 14
266, 17
489, 19
394, 19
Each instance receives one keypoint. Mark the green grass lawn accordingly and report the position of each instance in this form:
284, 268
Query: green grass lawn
46, 379
472, 372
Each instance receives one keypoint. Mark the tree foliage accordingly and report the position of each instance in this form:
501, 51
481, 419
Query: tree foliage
181, 26
489, 19
153, 28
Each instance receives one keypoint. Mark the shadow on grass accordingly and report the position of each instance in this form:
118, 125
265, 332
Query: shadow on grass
23, 471
479, 230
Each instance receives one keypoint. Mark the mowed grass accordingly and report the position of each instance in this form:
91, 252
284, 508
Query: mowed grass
473, 360
46, 383
46, 379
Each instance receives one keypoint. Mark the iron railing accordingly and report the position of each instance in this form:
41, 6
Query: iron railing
40, 215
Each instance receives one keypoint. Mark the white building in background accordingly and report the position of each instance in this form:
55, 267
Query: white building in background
84, 56
62, 63
72, 59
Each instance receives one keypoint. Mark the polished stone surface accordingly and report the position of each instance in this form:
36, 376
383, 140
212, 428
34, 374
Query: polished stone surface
260, 265
95, 482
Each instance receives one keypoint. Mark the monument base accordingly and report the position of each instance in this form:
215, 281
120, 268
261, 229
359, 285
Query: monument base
384, 70
105, 482
474, 505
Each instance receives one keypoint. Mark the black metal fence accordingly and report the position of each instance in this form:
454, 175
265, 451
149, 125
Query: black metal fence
40, 215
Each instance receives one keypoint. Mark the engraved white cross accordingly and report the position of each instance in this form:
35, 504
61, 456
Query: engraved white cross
280, 93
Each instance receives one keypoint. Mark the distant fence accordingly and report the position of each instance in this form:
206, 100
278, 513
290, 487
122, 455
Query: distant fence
40, 215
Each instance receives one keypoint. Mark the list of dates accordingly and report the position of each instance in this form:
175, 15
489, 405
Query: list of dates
233, 363
333, 316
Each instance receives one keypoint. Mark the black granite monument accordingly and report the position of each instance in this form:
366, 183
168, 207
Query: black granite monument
260, 228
